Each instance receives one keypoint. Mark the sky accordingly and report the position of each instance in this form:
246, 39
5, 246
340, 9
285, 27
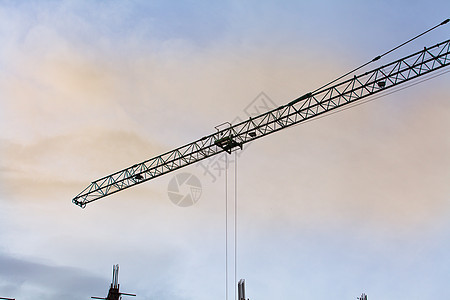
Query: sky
356, 202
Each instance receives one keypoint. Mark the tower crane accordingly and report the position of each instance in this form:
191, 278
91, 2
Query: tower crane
114, 293
310, 105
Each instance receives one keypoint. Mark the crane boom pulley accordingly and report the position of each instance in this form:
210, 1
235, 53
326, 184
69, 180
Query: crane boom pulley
298, 110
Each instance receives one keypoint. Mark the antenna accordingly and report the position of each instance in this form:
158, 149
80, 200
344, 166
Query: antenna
241, 290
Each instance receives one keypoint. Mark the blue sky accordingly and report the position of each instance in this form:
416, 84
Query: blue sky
355, 202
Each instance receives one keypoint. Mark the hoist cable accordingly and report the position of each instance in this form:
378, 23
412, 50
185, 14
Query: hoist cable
235, 223
226, 227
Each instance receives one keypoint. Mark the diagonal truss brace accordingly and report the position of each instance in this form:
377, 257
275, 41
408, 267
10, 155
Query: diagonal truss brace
303, 108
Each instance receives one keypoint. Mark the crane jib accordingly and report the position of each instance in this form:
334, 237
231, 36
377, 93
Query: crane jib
308, 106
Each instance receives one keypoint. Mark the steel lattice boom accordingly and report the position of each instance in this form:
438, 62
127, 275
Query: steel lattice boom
303, 108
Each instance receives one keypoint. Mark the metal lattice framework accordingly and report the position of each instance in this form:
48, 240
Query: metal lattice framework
301, 109
114, 293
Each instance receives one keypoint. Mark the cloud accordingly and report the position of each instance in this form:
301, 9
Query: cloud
48, 281
65, 71
55, 162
